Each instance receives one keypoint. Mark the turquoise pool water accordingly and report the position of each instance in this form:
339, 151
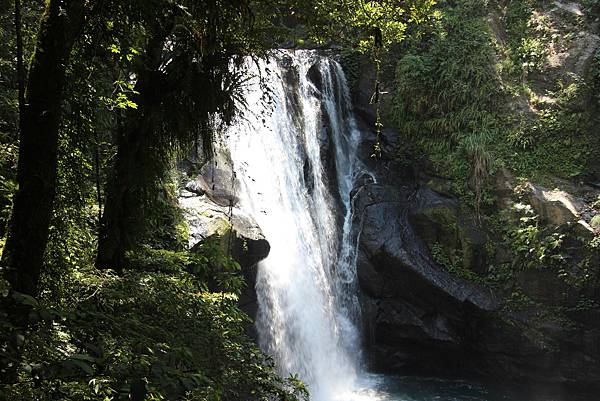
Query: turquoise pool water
392, 388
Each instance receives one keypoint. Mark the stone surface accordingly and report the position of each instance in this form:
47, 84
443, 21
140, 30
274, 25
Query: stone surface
413, 306
215, 180
418, 318
554, 207
239, 235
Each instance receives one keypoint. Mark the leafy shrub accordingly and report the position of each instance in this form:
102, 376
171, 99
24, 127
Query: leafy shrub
556, 142
453, 264
155, 335
447, 94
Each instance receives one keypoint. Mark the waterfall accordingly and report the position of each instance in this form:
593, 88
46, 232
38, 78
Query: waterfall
294, 154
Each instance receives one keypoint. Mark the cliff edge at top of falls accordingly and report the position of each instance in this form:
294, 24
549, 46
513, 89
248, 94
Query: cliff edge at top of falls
509, 292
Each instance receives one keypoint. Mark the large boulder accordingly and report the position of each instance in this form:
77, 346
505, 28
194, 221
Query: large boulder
237, 233
437, 220
389, 241
209, 204
213, 178
559, 208
420, 318
554, 207
415, 311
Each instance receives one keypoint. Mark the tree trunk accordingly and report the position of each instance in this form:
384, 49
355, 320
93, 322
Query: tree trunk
136, 166
120, 221
20, 66
23, 254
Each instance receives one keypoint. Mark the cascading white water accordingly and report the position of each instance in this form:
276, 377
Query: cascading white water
308, 309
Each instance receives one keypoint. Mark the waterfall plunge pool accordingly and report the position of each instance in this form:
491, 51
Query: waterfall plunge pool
378, 387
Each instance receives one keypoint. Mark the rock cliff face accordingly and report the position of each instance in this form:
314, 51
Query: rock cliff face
421, 318
415, 312
430, 270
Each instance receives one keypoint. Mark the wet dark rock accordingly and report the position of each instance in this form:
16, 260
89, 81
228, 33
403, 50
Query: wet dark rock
314, 76
542, 285
307, 170
388, 241
473, 241
419, 318
327, 152
415, 307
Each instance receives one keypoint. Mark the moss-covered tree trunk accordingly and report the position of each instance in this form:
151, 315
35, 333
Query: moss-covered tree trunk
23, 254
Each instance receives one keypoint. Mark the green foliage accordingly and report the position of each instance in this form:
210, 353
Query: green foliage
536, 247
8, 97
166, 261
453, 264
447, 95
458, 102
121, 96
208, 263
499, 276
585, 304
517, 300
164, 224
350, 60
557, 249
168, 327
8, 159
359, 23
595, 79
83, 152
557, 142
528, 38
146, 335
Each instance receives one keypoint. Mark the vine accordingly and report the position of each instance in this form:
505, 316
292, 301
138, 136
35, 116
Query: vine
376, 97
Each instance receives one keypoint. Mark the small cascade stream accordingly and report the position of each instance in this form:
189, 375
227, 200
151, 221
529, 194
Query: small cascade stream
284, 150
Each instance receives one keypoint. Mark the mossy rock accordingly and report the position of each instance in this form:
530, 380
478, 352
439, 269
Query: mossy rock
240, 238
438, 225
474, 240
441, 186
595, 222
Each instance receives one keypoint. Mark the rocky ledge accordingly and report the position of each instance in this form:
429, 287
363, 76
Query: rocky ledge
421, 318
